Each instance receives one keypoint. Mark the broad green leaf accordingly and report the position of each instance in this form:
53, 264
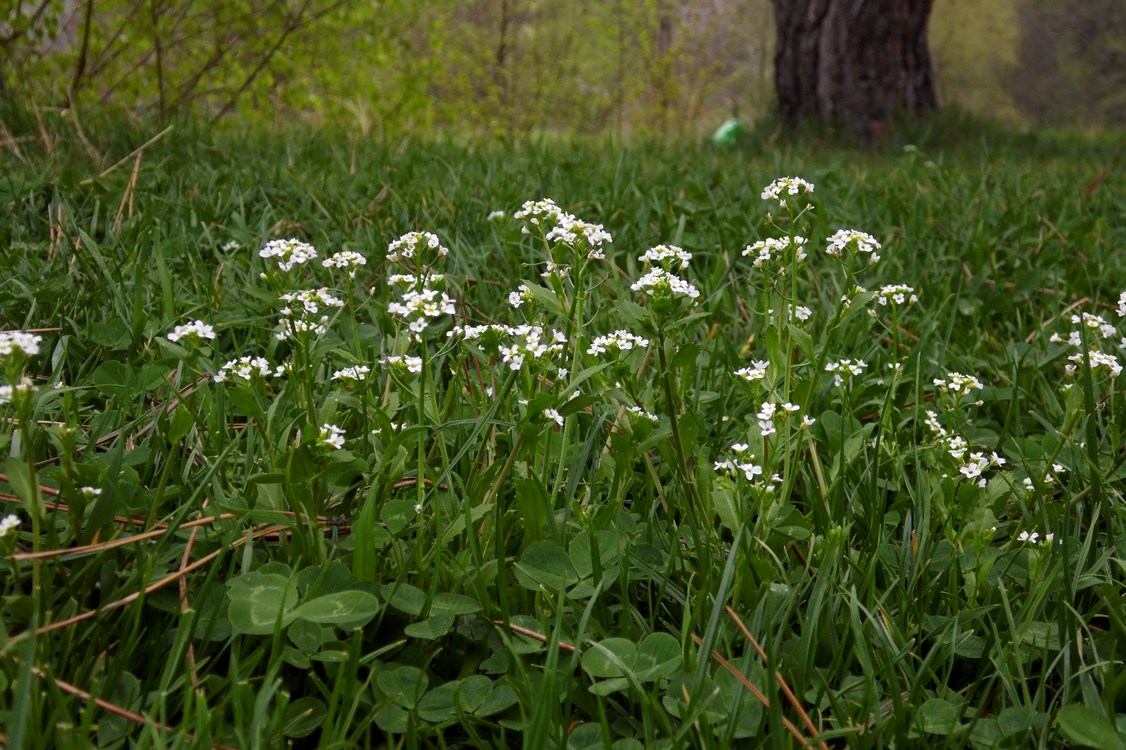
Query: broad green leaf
404, 685
546, 564
937, 716
345, 609
303, 716
398, 515
612, 657
406, 598
260, 602
1083, 725
430, 628
454, 604
439, 705
658, 656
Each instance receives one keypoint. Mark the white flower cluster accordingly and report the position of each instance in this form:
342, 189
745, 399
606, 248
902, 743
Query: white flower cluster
346, 259
530, 341
783, 186
971, 464
898, 294
843, 367
305, 311
772, 249
958, 384
660, 283
1035, 538
12, 341
290, 253
771, 411
519, 296
640, 413
1098, 330
8, 524
196, 329
419, 307
358, 372
748, 469
564, 228
405, 362
754, 373
8, 391
621, 341
331, 436
1096, 359
246, 368
667, 256
1048, 478
857, 242
411, 245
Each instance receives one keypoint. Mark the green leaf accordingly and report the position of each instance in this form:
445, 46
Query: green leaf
1083, 725
404, 685
398, 515
612, 657
658, 656
303, 716
430, 628
937, 716
454, 604
346, 609
438, 705
260, 603
546, 564
406, 598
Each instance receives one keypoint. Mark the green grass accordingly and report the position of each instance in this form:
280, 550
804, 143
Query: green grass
581, 585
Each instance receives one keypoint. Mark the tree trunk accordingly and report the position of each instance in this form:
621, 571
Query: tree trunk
854, 63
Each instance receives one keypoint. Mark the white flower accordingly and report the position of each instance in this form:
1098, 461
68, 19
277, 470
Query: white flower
784, 186
621, 341
1097, 359
495, 216
358, 372
90, 492
410, 364
843, 367
640, 413
1121, 309
807, 421
801, 312
290, 253
347, 259
230, 246
244, 368
898, 294
412, 243
552, 415
8, 391
11, 341
8, 524
851, 239
331, 436
958, 384
659, 282
196, 329
757, 371
770, 249
521, 295
667, 256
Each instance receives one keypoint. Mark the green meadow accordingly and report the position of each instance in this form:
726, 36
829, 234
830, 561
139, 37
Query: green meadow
316, 441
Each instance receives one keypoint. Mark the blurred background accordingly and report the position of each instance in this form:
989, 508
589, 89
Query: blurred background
672, 68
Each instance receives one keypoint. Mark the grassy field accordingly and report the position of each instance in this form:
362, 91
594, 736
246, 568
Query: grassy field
549, 489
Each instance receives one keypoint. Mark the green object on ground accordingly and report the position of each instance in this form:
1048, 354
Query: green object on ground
728, 133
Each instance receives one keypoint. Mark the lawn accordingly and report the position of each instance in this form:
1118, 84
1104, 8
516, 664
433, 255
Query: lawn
317, 441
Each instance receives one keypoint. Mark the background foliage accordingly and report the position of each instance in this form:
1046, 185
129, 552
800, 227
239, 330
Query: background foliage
512, 66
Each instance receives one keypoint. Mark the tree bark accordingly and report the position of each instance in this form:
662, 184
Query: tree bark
854, 63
